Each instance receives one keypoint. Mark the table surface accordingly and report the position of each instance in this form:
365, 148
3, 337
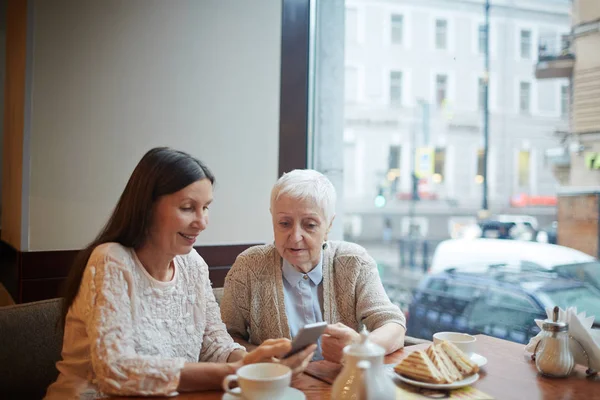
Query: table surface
506, 376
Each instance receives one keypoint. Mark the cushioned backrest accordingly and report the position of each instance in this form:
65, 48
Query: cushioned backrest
30, 345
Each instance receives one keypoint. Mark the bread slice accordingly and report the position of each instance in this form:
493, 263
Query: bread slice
452, 370
443, 364
418, 366
460, 359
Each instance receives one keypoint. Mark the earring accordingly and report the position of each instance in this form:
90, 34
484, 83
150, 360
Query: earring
324, 245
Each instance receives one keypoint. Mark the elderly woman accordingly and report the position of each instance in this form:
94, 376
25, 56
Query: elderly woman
140, 315
274, 290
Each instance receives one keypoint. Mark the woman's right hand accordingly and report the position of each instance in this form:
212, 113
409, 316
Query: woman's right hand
272, 350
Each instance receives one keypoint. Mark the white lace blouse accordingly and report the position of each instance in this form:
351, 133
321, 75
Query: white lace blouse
129, 334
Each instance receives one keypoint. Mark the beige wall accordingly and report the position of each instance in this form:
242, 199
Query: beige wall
112, 79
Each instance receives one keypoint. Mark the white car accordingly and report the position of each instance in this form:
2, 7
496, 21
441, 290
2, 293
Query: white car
479, 254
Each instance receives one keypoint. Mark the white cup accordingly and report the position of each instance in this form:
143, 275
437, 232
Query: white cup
260, 381
463, 341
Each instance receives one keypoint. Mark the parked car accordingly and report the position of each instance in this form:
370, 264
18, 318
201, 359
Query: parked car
498, 302
478, 254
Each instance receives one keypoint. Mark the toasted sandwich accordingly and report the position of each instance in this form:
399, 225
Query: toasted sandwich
419, 367
443, 364
452, 370
459, 359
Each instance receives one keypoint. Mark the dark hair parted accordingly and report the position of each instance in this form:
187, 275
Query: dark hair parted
160, 172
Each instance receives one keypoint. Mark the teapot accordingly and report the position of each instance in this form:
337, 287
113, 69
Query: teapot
364, 375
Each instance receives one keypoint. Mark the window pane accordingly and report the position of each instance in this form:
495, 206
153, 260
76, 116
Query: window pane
524, 160
481, 93
524, 95
395, 87
441, 89
525, 44
481, 41
564, 100
441, 27
397, 28
439, 165
480, 164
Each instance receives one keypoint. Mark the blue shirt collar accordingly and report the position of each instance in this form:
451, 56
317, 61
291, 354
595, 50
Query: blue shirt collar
293, 276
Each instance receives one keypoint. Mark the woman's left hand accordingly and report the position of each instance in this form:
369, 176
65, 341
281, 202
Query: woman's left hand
274, 349
334, 339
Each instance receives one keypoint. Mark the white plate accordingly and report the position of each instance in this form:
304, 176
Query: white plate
479, 359
454, 385
289, 394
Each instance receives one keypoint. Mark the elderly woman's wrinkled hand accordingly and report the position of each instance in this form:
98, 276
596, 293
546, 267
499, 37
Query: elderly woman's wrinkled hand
334, 339
273, 350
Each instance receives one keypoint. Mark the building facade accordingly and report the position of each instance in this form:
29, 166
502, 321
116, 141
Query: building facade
414, 74
577, 162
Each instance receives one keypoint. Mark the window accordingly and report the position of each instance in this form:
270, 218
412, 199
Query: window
481, 93
441, 89
524, 168
351, 84
397, 33
564, 100
441, 34
504, 310
524, 97
480, 167
393, 174
396, 88
439, 165
525, 43
481, 42
351, 25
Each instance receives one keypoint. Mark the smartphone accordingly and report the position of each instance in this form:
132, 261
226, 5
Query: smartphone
306, 336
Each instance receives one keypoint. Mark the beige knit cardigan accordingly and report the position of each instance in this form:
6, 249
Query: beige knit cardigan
253, 307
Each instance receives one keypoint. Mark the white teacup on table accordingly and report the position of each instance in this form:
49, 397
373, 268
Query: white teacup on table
260, 381
463, 341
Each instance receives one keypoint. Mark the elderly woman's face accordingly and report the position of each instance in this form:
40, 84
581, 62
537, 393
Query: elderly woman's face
300, 229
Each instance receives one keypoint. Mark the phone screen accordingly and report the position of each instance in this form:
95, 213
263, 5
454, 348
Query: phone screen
306, 336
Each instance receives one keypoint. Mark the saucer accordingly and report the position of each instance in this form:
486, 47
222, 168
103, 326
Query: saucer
289, 394
478, 359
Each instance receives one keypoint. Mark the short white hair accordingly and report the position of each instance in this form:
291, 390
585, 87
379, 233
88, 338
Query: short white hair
307, 184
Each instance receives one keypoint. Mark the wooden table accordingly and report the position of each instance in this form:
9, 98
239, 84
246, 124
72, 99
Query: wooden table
506, 376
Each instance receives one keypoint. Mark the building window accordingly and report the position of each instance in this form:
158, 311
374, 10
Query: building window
525, 43
441, 34
439, 165
441, 89
481, 93
393, 174
480, 173
351, 84
524, 97
396, 88
481, 42
524, 168
564, 100
351, 25
397, 21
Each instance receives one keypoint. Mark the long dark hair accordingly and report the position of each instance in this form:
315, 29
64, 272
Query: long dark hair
161, 171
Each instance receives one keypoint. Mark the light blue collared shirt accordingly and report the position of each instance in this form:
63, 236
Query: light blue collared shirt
303, 298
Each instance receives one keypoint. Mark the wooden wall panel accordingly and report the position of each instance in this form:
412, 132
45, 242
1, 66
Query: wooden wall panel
578, 222
14, 119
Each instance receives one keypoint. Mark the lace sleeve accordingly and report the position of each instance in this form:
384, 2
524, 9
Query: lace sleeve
119, 370
216, 344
